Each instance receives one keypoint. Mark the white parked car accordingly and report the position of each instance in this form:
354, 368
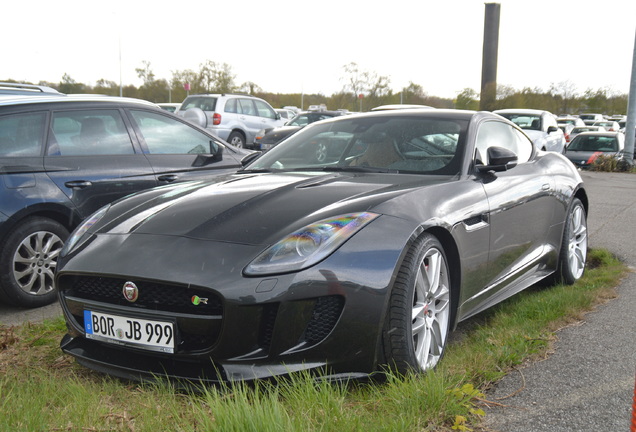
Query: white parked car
590, 118
609, 125
540, 126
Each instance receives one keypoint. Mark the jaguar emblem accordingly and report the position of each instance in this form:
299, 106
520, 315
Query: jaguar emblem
131, 292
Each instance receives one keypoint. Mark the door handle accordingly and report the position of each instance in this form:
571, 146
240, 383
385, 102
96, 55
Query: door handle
78, 184
168, 178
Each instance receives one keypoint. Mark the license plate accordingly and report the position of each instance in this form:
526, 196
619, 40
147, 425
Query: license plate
141, 333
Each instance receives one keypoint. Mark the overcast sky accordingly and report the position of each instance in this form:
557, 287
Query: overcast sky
302, 46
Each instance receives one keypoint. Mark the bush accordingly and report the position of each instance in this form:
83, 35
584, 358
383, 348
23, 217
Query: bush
608, 163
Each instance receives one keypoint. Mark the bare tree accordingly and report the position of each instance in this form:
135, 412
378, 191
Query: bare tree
145, 73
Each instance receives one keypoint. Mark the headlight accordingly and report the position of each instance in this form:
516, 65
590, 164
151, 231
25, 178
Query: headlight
82, 229
308, 245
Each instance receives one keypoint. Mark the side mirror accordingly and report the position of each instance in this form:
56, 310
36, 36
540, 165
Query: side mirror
552, 129
250, 158
500, 159
215, 155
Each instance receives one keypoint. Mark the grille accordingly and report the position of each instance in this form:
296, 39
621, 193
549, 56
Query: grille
194, 333
324, 317
152, 295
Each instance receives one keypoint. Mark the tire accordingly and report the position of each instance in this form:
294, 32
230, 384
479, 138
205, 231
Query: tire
420, 310
28, 260
236, 139
573, 253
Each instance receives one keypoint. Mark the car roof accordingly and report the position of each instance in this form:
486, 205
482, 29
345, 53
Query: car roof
11, 100
599, 133
25, 89
520, 111
433, 113
400, 107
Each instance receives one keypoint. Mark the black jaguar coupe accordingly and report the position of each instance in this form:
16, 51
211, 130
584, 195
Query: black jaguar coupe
354, 246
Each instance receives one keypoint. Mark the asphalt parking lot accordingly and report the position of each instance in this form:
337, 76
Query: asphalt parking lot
587, 384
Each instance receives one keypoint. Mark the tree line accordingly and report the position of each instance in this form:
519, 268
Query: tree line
361, 91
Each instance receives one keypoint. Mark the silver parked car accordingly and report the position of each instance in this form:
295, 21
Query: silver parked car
234, 118
540, 126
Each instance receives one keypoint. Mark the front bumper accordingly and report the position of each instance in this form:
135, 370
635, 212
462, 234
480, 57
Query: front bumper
326, 319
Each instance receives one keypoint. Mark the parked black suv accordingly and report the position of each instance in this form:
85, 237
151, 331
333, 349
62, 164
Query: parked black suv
62, 157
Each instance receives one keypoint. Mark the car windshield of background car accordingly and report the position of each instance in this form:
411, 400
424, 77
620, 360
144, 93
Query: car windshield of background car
399, 144
594, 143
203, 103
528, 122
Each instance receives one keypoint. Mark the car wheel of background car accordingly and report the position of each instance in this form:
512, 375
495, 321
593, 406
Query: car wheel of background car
574, 245
196, 116
236, 139
419, 316
28, 261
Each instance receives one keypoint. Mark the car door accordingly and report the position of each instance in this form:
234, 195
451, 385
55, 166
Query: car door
555, 139
23, 180
178, 151
521, 207
92, 158
249, 118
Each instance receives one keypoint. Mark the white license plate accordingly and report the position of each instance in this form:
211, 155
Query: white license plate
141, 333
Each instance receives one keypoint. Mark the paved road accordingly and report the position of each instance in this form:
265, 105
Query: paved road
587, 384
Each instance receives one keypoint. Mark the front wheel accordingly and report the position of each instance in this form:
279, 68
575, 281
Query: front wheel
573, 254
419, 316
28, 260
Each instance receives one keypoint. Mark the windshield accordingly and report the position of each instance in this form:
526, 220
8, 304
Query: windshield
400, 143
205, 103
593, 143
525, 121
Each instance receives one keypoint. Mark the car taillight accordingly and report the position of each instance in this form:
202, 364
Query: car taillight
216, 119
567, 137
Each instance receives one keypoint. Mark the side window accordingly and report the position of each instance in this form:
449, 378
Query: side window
497, 134
22, 134
247, 107
264, 110
88, 132
230, 106
165, 135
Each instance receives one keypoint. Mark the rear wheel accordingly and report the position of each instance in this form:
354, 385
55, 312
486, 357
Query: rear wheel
419, 316
28, 261
236, 139
573, 252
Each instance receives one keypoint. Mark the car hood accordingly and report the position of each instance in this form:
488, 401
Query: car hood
255, 208
584, 158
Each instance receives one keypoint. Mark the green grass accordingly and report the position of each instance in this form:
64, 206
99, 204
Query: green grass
42, 389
